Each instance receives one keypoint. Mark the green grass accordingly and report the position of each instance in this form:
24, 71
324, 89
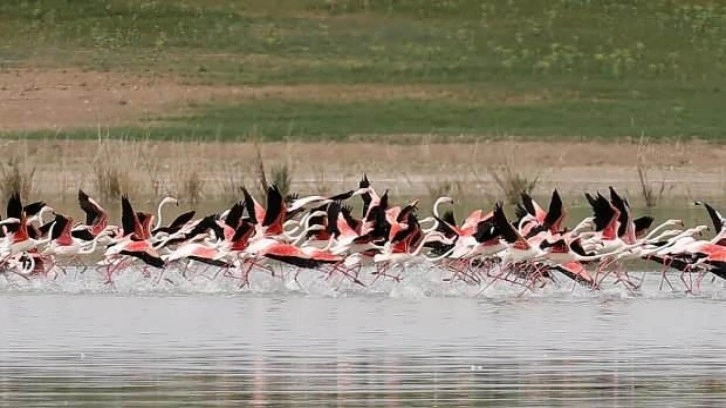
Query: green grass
617, 68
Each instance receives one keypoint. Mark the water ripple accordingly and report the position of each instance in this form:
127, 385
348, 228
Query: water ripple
186, 348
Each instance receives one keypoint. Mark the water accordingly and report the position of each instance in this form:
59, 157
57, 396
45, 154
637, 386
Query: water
75, 344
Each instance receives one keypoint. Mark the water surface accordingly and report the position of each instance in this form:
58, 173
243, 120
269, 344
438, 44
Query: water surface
285, 348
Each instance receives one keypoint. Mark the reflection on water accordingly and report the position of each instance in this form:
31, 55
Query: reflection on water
359, 351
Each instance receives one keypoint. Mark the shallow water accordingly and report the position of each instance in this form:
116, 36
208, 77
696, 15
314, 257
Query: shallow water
80, 344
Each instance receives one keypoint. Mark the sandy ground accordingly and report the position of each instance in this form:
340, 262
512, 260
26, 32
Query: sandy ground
58, 99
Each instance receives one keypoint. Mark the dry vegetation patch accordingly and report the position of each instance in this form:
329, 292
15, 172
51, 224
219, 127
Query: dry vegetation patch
215, 170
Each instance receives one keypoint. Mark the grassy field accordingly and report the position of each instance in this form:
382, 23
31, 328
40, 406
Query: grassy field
442, 68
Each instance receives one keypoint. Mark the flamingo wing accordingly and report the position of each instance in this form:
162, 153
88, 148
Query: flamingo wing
15, 206
84, 234
291, 255
555, 213
34, 208
241, 236
90, 207
470, 223
61, 228
577, 272
254, 209
129, 219
182, 220
347, 224
602, 211
505, 228
367, 197
642, 224
275, 213
333, 216
716, 219
147, 258
486, 231
405, 211
235, 215
532, 207
621, 206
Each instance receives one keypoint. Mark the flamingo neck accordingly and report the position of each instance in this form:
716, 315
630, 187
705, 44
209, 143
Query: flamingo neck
423, 242
721, 235
158, 214
438, 202
48, 238
656, 229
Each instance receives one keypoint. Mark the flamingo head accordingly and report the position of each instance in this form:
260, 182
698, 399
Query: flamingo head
169, 200
319, 213
316, 227
446, 200
427, 220
699, 230
361, 191
679, 223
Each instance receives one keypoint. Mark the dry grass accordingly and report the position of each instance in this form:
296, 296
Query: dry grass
112, 170
115, 166
153, 170
282, 177
16, 176
651, 197
260, 172
192, 188
513, 183
451, 188
321, 183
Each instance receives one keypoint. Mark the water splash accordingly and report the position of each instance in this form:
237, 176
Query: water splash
418, 283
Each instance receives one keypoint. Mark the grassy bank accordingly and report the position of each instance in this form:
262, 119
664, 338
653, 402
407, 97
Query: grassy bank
565, 68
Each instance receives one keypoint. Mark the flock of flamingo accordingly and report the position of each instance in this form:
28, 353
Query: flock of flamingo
324, 236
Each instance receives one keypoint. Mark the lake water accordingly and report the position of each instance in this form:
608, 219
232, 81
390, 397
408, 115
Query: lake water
76, 343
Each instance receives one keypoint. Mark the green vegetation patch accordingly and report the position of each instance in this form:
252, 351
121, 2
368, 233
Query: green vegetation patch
277, 119
630, 67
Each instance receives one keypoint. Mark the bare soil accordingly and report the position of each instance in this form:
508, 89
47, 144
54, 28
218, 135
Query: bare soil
57, 99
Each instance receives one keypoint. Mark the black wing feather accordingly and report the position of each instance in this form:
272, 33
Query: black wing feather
554, 212
643, 223
182, 219
33, 208
15, 206
619, 203
333, 213
274, 205
91, 211
504, 227
250, 205
127, 216
235, 215
367, 198
716, 218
